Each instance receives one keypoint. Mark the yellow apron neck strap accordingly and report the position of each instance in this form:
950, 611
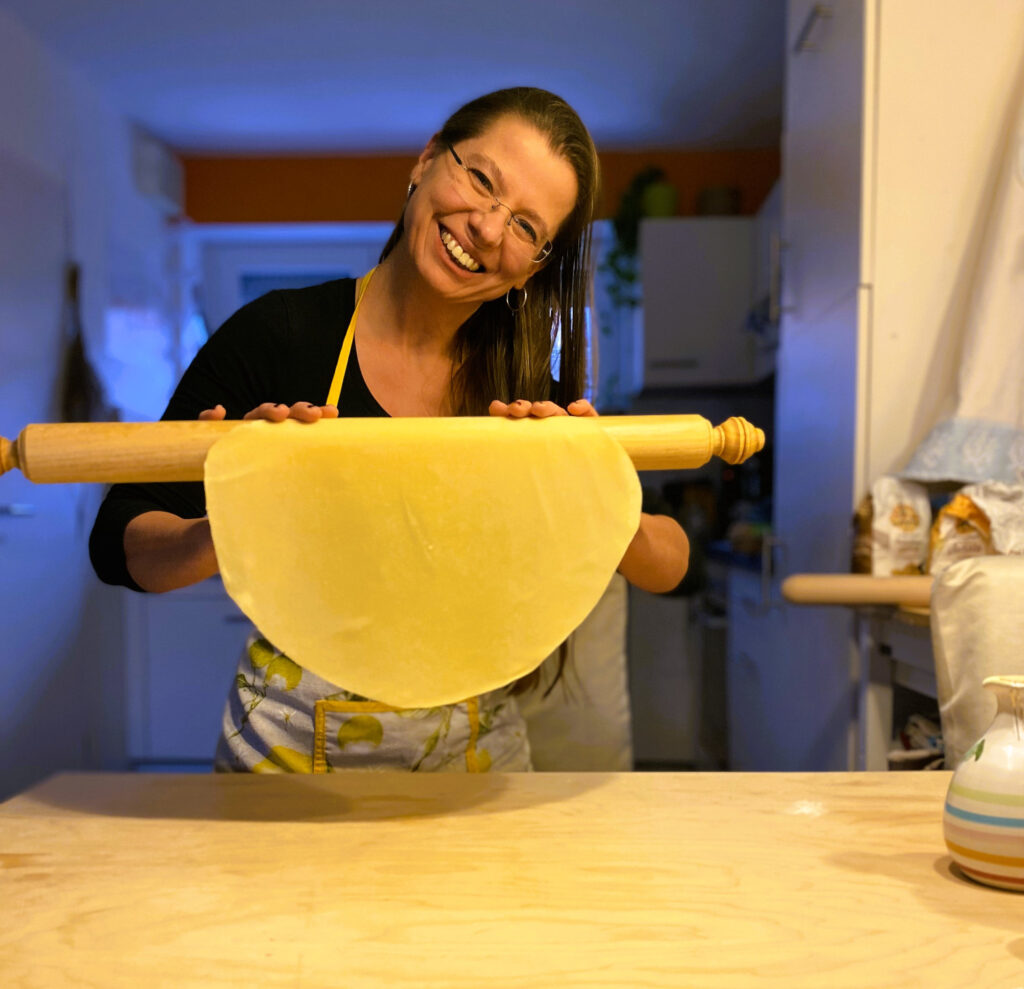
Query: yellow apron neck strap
334, 392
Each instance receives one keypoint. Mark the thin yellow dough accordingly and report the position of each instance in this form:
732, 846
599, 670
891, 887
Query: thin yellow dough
420, 562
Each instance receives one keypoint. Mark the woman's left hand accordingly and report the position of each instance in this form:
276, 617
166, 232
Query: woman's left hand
522, 409
659, 554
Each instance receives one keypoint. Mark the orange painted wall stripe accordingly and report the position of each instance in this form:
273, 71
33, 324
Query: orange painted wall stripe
313, 189
753, 172
295, 190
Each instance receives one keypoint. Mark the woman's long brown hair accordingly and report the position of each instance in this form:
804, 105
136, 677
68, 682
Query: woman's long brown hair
506, 355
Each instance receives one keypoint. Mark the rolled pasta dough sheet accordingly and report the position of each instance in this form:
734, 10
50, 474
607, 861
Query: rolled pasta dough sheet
418, 562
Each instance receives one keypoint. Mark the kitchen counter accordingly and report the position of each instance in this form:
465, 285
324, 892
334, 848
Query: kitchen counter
546, 880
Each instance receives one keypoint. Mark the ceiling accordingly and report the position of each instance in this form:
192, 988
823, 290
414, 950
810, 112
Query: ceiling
250, 76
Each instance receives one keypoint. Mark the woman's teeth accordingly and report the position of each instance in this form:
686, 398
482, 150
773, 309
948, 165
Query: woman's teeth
455, 250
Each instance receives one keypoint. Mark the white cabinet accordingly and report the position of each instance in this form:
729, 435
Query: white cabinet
894, 112
182, 650
702, 278
698, 287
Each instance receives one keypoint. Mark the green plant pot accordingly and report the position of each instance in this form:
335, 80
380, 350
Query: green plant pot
660, 199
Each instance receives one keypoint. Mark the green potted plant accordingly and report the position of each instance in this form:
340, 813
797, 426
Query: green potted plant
647, 195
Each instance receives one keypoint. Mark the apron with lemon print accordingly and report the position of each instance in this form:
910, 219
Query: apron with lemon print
280, 717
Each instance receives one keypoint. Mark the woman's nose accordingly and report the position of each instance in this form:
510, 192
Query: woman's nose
488, 225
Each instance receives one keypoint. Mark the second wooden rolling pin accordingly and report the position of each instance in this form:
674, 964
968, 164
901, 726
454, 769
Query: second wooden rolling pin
108, 452
855, 589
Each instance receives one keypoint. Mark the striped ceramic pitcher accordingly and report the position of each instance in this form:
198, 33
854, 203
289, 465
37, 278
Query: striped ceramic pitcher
983, 820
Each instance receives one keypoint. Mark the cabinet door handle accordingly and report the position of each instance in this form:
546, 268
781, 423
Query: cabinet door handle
686, 363
776, 246
768, 570
818, 12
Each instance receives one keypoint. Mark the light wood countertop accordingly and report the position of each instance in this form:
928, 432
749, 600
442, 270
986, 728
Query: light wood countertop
505, 881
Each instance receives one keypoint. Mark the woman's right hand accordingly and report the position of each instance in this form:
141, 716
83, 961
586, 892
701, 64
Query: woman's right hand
164, 552
302, 411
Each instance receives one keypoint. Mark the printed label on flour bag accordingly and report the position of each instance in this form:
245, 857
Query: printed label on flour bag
979, 520
961, 530
900, 527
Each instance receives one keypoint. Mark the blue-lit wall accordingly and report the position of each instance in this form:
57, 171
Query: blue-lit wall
66, 193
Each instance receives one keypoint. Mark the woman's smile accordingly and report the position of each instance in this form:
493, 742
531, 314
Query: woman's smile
459, 254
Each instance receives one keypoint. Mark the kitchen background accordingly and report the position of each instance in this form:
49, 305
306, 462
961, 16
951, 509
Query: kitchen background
795, 196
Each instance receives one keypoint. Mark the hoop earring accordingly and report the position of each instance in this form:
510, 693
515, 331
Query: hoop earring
508, 302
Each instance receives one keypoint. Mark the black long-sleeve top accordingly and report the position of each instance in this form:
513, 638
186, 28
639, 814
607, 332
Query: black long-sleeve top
283, 347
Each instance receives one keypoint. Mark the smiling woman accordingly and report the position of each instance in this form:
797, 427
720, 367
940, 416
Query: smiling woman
488, 261
492, 247
533, 138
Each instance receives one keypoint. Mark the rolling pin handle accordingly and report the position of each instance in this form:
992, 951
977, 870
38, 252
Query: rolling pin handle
8, 455
736, 439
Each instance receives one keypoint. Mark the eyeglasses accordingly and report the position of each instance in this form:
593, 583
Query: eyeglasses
522, 229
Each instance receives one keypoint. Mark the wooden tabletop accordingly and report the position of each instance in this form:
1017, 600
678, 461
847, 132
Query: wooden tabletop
499, 881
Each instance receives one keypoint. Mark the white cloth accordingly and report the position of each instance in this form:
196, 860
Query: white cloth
984, 439
977, 622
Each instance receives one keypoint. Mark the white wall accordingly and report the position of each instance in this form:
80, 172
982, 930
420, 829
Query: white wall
65, 166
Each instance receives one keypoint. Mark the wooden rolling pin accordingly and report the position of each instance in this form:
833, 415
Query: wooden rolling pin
108, 452
856, 588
